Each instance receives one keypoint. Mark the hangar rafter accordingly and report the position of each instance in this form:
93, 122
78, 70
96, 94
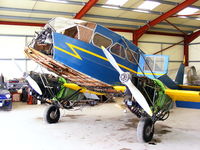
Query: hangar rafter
85, 9
138, 33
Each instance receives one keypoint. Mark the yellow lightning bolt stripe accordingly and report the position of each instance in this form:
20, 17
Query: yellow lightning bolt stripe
73, 47
76, 55
86, 51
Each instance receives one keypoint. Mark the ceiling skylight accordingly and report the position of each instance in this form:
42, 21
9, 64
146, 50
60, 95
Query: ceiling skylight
56, 1
143, 11
182, 17
116, 2
188, 11
112, 7
149, 5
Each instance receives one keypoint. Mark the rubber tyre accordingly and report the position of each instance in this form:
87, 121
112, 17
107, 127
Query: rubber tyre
145, 130
52, 114
9, 106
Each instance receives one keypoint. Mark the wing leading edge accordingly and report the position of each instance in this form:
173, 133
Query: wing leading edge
183, 95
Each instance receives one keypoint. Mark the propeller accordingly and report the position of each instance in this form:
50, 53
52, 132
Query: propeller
31, 82
125, 78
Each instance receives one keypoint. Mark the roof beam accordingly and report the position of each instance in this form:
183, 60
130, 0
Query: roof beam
85, 9
121, 30
175, 27
148, 32
179, 7
134, 20
125, 8
88, 15
44, 20
168, 47
196, 14
173, 3
113, 29
164, 33
22, 23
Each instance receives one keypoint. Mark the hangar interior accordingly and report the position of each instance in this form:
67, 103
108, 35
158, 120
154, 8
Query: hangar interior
161, 27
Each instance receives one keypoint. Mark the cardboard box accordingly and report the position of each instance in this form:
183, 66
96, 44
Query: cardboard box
16, 97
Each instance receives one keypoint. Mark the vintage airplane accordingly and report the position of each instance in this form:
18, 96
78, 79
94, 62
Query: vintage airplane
191, 76
91, 58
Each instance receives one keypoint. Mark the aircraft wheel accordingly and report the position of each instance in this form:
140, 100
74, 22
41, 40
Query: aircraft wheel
92, 103
52, 114
145, 130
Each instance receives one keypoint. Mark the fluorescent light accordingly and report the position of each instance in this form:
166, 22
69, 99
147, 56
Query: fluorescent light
116, 2
182, 17
188, 11
56, 1
149, 5
112, 7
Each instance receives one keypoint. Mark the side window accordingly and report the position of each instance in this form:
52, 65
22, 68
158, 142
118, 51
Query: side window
131, 56
123, 52
85, 33
118, 50
135, 56
72, 32
100, 40
155, 63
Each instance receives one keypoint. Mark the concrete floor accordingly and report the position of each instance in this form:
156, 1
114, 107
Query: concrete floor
103, 127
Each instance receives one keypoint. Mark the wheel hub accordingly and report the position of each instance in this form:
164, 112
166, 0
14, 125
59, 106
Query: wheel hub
148, 131
53, 114
124, 77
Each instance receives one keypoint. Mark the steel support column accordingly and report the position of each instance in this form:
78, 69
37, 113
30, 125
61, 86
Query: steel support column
186, 52
187, 40
138, 33
85, 9
135, 38
193, 36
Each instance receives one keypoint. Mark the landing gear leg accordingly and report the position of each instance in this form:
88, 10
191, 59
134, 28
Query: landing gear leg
52, 114
145, 130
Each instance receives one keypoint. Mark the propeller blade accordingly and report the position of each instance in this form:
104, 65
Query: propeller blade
134, 91
112, 60
34, 85
31, 82
13, 60
138, 97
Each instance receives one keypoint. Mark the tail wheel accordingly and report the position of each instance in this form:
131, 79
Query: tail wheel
52, 114
145, 130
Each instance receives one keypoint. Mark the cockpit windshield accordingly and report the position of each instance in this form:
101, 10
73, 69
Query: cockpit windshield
77, 29
59, 24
